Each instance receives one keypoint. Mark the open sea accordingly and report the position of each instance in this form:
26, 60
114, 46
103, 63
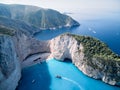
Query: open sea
105, 27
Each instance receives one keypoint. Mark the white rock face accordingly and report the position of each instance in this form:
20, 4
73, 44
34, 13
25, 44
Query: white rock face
66, 46
20, 46
26, 46
13, 50
10, 71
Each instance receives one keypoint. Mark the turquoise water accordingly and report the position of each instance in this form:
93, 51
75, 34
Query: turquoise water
105, 27
44, 77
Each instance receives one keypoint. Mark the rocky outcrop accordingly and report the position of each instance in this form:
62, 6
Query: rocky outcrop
67, 46
26, 45
91, 56
18, 25
10, 71
16, 46
27, 16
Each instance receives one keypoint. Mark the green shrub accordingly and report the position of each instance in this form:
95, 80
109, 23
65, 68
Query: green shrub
96, 48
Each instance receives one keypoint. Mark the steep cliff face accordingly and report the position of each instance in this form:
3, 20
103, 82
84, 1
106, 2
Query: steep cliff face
10, 70
26, 45
15, 46
18, 25
64, 47
91, 56
36, 16
67, 46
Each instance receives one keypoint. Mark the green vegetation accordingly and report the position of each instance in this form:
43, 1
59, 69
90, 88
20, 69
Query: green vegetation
6, 31
95, 48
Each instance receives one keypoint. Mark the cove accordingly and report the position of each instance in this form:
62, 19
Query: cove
43, 77
105, 27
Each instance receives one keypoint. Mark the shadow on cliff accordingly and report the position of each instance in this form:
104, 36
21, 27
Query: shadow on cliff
35, 77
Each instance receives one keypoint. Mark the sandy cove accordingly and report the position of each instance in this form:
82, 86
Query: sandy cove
36, 58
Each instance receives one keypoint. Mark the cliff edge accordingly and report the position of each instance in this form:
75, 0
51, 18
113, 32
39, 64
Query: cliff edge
15, 47
89, 55
33, 18
10, 71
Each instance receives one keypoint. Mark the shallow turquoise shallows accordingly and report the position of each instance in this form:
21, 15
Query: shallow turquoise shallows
43, 77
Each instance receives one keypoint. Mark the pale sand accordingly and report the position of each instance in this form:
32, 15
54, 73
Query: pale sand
36, 58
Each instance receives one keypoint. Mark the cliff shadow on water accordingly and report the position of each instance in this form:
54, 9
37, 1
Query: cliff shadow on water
35, 77
50, 34
67, 60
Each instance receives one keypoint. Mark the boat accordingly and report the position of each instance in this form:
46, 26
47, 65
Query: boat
33, 81
58, 76
37, 59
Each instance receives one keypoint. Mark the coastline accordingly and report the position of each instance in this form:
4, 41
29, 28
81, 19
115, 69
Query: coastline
36, 58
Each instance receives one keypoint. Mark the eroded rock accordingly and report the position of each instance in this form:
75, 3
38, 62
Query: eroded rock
67, 46
10, 71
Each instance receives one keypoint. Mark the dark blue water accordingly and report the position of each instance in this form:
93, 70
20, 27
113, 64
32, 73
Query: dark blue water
44, 76
105, 27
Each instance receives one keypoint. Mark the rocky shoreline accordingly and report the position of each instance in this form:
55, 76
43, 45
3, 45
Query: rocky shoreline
107, 70
30, 51
66, 46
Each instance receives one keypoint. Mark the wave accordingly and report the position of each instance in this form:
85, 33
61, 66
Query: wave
72, 81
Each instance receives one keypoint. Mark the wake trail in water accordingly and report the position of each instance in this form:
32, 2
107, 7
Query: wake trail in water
72, 81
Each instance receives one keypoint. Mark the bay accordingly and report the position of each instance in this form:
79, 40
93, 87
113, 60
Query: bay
43, 77
105, 27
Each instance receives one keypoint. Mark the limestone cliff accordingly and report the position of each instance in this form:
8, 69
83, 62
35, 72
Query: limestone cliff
26, 16
15, 46
26, 45
90, 55
10, 70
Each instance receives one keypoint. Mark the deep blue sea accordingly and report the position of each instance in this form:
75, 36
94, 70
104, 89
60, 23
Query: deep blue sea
44, 77
105, 27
